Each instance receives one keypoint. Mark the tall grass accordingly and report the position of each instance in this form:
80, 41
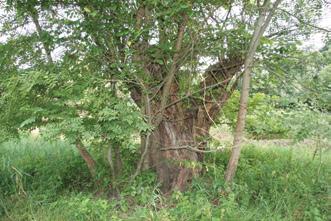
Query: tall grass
31, 165
48, 181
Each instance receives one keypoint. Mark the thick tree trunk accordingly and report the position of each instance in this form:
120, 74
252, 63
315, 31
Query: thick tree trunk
175, 146
118, 161
180, 123
170, 157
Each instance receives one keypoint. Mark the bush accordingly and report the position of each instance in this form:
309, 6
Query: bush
264, 120
306, 123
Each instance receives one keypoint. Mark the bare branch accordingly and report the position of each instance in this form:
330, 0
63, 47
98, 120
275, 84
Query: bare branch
192, 149
195, 92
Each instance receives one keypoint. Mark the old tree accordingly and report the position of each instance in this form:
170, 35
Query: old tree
81, 70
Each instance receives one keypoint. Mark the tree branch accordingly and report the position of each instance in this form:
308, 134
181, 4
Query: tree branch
306, 23
35, 17
169, 78
145, 150
191, 149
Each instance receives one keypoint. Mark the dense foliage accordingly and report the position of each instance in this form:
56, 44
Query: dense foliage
290, 99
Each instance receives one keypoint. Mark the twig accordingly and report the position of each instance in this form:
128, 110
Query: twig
191, 149
306, 23
195, 92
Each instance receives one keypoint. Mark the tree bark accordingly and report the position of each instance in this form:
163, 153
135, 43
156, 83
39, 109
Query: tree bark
260, 26
176, 123
90, 162
177, 143
174, 167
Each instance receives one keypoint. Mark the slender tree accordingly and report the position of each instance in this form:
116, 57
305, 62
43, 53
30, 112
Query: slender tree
261, 24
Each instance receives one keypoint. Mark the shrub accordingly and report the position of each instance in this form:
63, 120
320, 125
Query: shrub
264, 120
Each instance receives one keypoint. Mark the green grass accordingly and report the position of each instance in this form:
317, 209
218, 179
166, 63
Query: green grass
35, 165
49, 181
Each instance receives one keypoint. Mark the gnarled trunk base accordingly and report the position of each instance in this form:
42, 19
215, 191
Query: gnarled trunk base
169, 156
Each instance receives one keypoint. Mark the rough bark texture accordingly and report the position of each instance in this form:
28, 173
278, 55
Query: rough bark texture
115, 161
184, 125
177, 121
172, 165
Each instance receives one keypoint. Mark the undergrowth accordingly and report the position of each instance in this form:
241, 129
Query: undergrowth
49, 182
